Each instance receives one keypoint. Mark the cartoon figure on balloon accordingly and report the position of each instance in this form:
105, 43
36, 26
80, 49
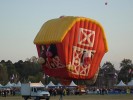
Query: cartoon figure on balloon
50, 56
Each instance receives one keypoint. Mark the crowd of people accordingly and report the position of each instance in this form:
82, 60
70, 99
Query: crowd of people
58, 91
90, 90
6, 92
63, 91
103, 91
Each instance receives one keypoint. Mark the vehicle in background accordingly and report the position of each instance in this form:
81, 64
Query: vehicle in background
34, 91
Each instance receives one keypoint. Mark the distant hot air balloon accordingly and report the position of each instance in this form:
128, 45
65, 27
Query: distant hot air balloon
72, 47
106, 2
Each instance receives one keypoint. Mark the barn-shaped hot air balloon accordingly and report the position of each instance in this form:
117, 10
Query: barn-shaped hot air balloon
71, 47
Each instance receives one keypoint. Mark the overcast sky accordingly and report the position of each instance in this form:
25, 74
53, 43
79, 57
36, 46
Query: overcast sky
20, 21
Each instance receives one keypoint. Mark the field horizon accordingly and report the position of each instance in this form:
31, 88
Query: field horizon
80, 97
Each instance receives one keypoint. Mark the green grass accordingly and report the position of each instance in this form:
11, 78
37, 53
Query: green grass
81, 97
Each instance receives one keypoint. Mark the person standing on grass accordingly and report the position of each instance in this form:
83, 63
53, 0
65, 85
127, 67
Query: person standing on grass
61, 94
4, 93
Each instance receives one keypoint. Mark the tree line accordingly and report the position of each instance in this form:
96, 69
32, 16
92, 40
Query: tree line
109, 76
25, 71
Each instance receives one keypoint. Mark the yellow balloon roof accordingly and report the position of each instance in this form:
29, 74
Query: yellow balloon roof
54, 30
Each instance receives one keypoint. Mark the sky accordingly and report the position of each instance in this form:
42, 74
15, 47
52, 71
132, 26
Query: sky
21, 20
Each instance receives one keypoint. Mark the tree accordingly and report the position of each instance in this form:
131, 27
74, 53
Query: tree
11, 70
3, 74
126, 63
125, 71
36, 78
28, 70
33, 59
19, 69
107, 75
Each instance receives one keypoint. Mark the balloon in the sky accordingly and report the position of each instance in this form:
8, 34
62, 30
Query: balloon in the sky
106, 3
71, 47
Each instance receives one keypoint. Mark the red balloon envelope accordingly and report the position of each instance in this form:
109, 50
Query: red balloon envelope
71, 47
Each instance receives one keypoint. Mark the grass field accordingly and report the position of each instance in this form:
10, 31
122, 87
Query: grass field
81, 97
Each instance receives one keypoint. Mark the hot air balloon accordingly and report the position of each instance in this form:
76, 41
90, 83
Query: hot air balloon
106, 3
71, 48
